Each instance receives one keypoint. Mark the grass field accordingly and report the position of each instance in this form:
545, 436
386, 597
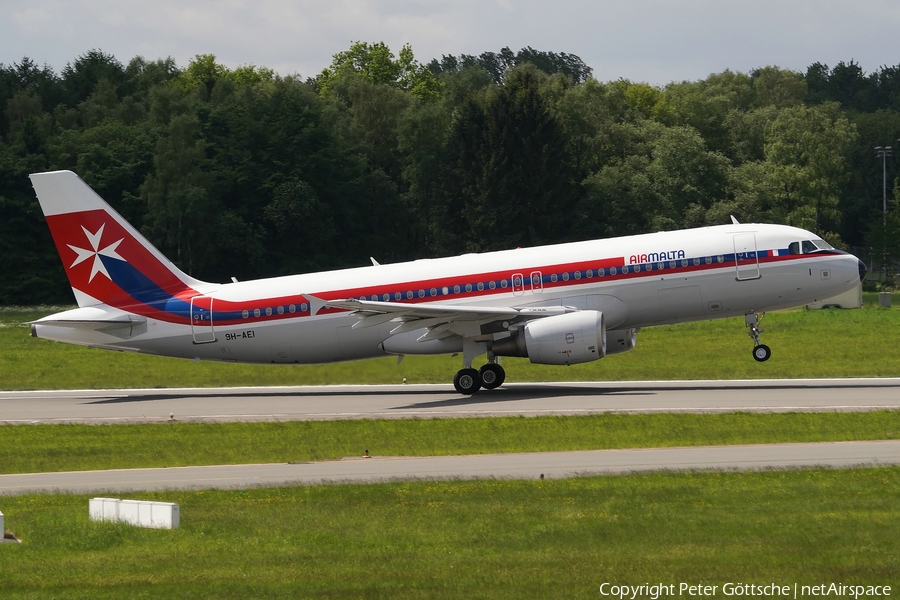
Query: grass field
86, 447
829, 343
482, 539
474, 539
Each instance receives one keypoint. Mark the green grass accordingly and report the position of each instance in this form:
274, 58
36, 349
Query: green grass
503, 539
829, 343
474, 539
74, 447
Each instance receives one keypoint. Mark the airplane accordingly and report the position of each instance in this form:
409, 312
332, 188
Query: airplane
560, 305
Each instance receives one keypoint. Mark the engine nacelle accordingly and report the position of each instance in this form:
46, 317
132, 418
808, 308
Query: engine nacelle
620, 340
568, 339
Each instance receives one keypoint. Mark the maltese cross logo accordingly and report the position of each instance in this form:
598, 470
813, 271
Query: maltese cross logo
96, 252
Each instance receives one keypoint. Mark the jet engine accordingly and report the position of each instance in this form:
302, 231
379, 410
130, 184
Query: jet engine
566, 339
620, 340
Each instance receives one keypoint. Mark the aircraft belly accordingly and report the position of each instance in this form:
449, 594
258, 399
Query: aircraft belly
312, 341
362, 343
680, 303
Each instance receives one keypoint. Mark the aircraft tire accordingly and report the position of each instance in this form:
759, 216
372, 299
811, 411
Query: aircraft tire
762, 353
467, 382
492, 376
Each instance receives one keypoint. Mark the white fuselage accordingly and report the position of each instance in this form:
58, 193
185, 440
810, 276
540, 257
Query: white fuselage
637, 281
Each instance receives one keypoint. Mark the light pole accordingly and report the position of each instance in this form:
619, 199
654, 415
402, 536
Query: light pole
884, 152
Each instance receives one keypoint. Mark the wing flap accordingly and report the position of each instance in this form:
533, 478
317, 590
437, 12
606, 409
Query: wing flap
419, 310
441, 320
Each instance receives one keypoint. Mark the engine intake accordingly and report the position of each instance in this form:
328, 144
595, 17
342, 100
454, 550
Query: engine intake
568, 339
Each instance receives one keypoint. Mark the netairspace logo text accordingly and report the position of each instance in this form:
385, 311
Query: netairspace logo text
771, 590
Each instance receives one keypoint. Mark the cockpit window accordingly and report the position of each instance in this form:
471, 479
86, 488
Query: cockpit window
808, 246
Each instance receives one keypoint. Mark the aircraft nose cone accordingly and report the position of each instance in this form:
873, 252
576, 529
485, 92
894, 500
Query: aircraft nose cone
862, 271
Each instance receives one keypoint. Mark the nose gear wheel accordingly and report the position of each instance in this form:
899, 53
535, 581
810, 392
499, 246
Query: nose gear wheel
761, 352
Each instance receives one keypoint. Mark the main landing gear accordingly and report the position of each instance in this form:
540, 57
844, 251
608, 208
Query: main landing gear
490, 376
761, 352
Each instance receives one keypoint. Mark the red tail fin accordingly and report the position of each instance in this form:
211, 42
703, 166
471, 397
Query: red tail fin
106, 259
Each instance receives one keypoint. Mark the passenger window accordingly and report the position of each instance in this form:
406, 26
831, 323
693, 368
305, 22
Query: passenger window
794, 248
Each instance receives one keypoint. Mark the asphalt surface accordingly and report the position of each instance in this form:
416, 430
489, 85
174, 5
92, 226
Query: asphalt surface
425, 401
433, 401
518, 466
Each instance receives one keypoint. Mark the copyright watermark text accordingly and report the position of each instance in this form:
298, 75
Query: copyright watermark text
655, 591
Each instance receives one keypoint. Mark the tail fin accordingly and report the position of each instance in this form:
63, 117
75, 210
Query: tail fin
106, 259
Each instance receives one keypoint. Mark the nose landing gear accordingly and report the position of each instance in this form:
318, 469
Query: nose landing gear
761, 352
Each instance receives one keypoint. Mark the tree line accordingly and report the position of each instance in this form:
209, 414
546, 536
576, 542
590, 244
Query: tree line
246, 173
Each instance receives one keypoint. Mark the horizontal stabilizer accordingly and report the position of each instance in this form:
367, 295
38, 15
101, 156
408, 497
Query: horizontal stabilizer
93, 318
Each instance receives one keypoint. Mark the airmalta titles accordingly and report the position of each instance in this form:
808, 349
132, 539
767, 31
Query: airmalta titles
639, 259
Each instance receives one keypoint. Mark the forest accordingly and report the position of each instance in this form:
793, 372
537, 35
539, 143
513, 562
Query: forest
247, 173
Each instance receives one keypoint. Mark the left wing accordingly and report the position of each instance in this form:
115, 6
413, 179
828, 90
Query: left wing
441, 320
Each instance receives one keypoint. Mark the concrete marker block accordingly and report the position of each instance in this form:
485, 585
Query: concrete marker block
145, 513
129, 512
110, 509
99, 511
95, 509
161, 515
140, 513
165, 515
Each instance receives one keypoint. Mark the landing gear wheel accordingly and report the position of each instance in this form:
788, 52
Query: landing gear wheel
467, 382
761, 353
492, 376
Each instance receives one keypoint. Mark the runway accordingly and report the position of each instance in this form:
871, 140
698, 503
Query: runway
433, 401
518, 466
436, 401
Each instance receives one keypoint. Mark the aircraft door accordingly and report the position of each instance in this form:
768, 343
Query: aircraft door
202, 320
518, 284
746, 260
537, 282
